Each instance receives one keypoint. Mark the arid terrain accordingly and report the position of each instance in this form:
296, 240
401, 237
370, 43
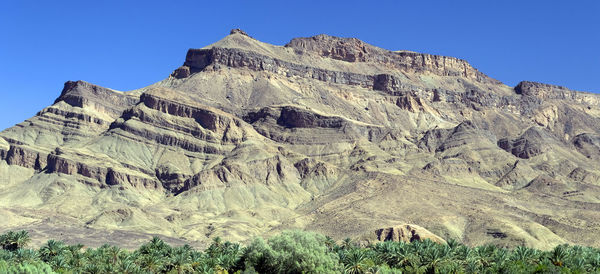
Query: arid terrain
324, 133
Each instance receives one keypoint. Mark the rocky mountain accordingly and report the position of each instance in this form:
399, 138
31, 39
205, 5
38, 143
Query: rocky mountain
325, 133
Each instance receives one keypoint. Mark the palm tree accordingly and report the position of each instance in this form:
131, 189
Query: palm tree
330, 243
385, 251
205, 269
461, 253
156, 246
453, 243
355, 261
577, 264
151, 263
60, 263
128, 266
559, 255
115, 253
473, 265
92, 269
181, 262
51, 249
12, 241
449, 267
22, 239
347, 243
522, 253
593, 260
403, 256
76, 248
25, 255
77, 259
6, 255
543, 266
434, 257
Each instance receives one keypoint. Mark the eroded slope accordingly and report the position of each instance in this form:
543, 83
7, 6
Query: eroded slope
324, 133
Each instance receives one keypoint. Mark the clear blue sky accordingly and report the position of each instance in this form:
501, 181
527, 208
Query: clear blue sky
126, 45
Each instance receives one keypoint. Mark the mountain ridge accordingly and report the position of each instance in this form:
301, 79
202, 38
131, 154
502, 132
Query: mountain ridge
323, 133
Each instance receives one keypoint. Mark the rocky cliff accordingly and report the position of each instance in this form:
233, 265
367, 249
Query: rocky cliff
325, 133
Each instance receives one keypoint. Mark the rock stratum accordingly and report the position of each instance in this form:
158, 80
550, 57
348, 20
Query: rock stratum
328, 134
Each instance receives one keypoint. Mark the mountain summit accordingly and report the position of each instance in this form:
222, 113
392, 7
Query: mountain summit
325, 133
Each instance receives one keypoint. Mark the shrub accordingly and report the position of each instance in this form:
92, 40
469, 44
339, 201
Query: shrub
25, 268
292, 252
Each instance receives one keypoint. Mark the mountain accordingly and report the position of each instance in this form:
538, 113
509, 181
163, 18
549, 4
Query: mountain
327, 134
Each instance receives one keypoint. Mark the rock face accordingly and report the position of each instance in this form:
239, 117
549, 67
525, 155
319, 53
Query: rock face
530, 144
325, 133
406, 233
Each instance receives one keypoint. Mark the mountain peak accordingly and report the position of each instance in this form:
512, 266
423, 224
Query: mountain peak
239, 31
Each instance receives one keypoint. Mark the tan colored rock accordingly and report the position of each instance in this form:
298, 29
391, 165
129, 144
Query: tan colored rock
546, 117
406, 233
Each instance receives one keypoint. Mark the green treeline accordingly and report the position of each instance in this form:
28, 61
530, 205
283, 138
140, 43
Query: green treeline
292, 252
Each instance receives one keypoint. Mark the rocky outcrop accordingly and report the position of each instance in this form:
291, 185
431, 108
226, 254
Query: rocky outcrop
85, 118
239, 31
547, 92
519, 175
584, 176
406, 233
98, 174
294, 117
85, 95
354, 50
588, 145
548, 185
413, 103
198, 59
182, 72
192, 128
392, 85
208, 119
529, 144
25, 157
439, 140
345, 49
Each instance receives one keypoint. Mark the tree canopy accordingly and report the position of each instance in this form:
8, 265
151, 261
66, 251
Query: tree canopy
292, 252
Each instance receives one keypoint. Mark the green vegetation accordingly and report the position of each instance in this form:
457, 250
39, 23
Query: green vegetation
292, 252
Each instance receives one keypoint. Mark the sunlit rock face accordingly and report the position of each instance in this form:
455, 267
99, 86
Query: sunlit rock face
325, 133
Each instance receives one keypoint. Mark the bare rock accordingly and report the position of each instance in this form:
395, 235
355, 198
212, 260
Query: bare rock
588, 145
531, 143
83, 94
406, 233
547, 91
296, 117
181, 72
581, 175
239, 31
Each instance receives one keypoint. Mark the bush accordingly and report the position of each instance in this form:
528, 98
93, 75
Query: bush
25, 268
292, 252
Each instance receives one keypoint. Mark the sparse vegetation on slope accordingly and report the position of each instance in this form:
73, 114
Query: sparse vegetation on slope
329, 134
294, 252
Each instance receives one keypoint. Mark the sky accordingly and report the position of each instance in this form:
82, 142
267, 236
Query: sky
126, 45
